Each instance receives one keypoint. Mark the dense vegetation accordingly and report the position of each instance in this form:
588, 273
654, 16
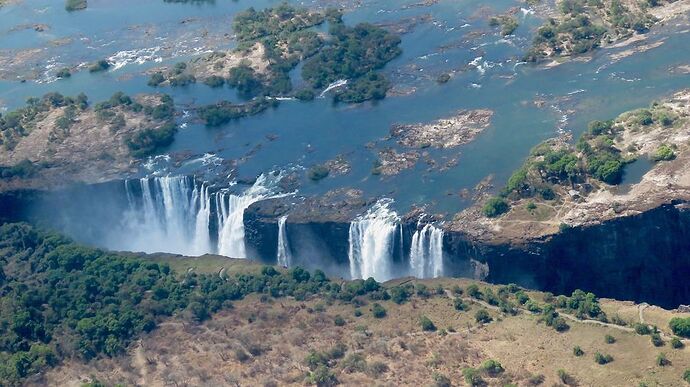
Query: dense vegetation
354, 54
224, 112
556, 166
584, 25
19, 123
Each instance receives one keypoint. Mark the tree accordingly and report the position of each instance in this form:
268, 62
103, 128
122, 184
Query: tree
472, 377
378, 311
602, 359
427, 324
680, 326
482, 316
492, 367
495, 207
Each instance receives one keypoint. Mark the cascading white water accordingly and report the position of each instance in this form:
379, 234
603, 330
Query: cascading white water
284, 256
173, 214
230, 213
166, 217
426, 252
372, 240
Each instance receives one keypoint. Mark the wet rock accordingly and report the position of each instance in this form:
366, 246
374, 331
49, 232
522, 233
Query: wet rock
451, 132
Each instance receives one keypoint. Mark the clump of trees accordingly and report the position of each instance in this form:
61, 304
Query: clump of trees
225, 111
680, 326
101, 65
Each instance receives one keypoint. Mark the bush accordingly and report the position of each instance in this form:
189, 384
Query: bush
662, 360
318, 172
427, 324
148, 141
75, 5
338, 320
657, 341
400, 294
609, 339
354, 362
156, 79
495, 207
460, 305
473, 291
676, 343
443, 78
602, 359
680, 326
565, 378
378, 311
482, 316
99, 66
642, 329
664, 153
323, 377
492, 367
686, 375
577, 351
357, 312
305, 95
64, 73
214, 81
441, 380
457, 290
472, 377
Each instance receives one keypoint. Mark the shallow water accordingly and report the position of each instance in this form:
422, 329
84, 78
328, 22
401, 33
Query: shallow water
145, 34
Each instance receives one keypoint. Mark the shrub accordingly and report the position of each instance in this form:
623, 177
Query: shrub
357, 312
577, 351
148, 141
609, 339
457, 290
99, 66
680, 326
602, 359
400, 294
565, 378
64, 73
323, 377
156, 79
75, 5
338, 320
662, 360
318, 172
642, 329
677, 343
354, 362
305, 95
426, 324
664, 153
472, 377
441, 380
521, 297
657, 341
686, 375
491, 367
473, 291
214, 81
378, 311
495, 207
482, 316
443, 78
460, 305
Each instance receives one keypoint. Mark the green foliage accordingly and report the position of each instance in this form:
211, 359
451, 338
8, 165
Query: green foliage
225, 111
642, 329
460, 305
664, 153
495, 207
305, 95
602, 359
676, 343
339, 321
214, 81
252, 25
99, 66
64, 73
443, 78
354, 362
473, 291
372, 86
75, 5
318, 172
322, 377
148, 141
657, 341
609, 339
90, 303
156, 79
482, 316
686, 375
577, 351
472, 377
245, 80
680, 326
441, 380
662, 360
427, 324
552, 319
491, 367
400, 294
378, 311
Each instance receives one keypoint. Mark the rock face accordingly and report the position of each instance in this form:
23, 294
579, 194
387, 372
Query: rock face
643, 257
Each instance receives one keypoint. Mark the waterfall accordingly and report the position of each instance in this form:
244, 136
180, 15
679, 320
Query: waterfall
426, 252
174, 214
230, 214
372, 240
332, 86
164, 214
284, 256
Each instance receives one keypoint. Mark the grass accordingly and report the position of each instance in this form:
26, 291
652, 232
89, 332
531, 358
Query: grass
276, 336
